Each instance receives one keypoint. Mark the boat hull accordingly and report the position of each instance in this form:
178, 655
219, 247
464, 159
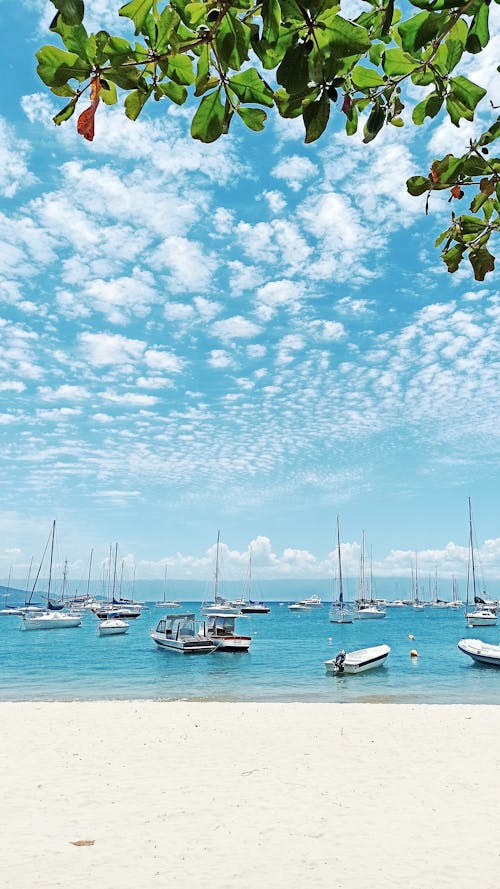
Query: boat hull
53, 621
193, 645
113, 628
481, 652
255, 609
358, 661
370, 615
232, 643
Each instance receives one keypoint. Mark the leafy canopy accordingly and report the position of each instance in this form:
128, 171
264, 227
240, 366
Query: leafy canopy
321, 63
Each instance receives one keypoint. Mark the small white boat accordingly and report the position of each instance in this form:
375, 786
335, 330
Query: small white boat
338, 614
177, 632
221, 630
481, 617
298, 606
252, 607
50, 620
481, 652
358, 661
113, 625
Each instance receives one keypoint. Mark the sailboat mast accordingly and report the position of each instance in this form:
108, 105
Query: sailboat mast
90, 569
341, 589
416, 578
471, 550
216, 582
165, 583
51, 559
114, 572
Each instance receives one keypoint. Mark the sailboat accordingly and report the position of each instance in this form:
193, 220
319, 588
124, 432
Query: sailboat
123, 607
367, 608
164, 603
53, 618
417, 604
247, 605
218, 604
9, 609
338, 613
481, 615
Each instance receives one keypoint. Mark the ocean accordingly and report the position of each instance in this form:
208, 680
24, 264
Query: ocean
285, 661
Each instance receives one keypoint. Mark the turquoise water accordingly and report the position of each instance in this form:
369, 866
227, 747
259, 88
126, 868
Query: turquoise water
285, 662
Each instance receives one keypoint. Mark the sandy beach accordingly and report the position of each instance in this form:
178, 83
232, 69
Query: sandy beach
251, 795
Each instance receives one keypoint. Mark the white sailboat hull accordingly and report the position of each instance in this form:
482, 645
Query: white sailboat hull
370, 614
50, 621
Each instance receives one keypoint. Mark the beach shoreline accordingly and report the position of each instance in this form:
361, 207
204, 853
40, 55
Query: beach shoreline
255, 794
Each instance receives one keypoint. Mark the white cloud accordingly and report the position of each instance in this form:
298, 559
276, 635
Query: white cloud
101, 349
295, 171
236, 327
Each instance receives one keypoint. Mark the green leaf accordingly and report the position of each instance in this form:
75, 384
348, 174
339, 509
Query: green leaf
56, 67
316, 116
108, 93
165, 27
482, 262
341, 38
351, 124
208, 122
174, 91
457, 110
253, 118
479, 34
446, 170
232, 41
195, 13
418, 185
428, 107
470, 225
466, 92
374, 124
71, 11
271, 18
454, 256
179, 68
66, 112
365, 78
138, 11
421, 29
249, 86
397, 63
135, 101
293, 72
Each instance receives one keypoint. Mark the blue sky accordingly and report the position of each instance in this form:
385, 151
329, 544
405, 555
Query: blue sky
255, 335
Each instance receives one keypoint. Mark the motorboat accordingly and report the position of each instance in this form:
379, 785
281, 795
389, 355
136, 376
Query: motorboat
252, 607
481, 617
50, 620
298, 606
113, 625
221, 630
481, 652
358, 661
312, 602
177, 632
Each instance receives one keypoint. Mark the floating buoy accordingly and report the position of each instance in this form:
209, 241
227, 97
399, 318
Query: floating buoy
411, 636
413, 653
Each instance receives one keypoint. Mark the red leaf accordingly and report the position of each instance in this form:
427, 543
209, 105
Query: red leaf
346, 104
434, 176
456, 192
85, 123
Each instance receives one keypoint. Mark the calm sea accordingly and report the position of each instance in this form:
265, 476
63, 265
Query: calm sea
285, 661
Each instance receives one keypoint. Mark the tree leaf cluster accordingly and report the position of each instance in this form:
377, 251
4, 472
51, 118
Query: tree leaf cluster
306, 60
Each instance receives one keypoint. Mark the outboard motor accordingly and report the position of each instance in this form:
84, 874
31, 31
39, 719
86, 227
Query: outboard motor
339, 662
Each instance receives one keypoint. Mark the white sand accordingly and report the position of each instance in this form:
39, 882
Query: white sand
249, 795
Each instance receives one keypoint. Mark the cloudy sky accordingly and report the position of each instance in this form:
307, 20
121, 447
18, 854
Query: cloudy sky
255, 336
